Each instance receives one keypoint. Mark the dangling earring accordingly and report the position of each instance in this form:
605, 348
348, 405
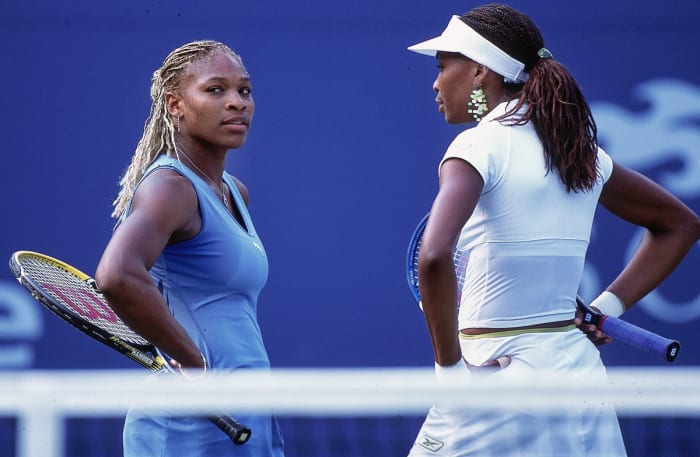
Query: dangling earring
476, 106
178, 122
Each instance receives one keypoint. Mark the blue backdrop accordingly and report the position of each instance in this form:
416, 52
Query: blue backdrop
341, 164
341, 160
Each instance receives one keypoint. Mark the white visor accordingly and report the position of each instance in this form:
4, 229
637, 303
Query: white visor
460, 38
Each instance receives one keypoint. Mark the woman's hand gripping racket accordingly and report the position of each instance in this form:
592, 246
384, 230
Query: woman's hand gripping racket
618, 329
74, 297
630, 334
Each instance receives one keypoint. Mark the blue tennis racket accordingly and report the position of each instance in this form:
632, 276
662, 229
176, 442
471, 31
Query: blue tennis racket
618, 329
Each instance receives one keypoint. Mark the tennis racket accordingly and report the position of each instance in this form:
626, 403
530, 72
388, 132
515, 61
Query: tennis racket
618, 329
74, 297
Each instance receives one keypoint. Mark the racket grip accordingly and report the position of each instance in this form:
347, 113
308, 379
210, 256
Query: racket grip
238, 432
640, 338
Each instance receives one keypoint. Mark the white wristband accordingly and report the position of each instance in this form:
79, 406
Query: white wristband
608, 303
459, 372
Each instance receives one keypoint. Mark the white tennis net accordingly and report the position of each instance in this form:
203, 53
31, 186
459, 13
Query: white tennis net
332, 412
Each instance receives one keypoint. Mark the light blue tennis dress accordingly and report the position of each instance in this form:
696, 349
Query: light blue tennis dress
211, 283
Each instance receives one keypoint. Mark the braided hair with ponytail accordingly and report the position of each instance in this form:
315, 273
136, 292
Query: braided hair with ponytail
159, 131
554, 102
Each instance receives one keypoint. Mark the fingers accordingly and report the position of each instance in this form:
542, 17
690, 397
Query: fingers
499, 363
592, 331
595, 334
176, 366
491, 365
503, 361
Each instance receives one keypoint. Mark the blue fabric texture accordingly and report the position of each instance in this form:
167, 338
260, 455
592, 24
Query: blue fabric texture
211, 283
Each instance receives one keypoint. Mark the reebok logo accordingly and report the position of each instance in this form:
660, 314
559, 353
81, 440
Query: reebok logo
430, 443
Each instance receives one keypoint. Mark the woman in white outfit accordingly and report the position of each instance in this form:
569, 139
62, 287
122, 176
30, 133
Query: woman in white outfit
517, 194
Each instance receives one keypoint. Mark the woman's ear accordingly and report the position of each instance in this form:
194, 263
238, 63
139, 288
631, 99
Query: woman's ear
172, 103
480, 73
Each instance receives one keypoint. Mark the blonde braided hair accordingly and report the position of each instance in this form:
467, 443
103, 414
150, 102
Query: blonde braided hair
159, 132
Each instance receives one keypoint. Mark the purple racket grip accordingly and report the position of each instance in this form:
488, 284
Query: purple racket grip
640, 338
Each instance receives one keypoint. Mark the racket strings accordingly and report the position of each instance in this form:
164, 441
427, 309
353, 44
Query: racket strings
79, 296
460, 259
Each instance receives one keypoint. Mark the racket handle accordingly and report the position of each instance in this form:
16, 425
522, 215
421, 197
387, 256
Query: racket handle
640, 338
238, 433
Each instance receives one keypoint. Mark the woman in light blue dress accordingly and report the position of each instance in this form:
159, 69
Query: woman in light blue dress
185, 266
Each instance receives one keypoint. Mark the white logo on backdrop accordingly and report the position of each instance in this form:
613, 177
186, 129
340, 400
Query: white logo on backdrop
20, 325
666, 133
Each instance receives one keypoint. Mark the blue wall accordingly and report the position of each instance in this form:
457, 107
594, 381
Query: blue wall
341, 161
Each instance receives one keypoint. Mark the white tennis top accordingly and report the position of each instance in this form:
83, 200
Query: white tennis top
527, 238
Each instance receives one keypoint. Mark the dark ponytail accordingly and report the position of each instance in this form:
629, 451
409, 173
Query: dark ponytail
555, 104
563, 122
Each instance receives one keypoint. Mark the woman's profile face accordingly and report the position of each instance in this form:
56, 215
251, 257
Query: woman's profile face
217, 101
453, 86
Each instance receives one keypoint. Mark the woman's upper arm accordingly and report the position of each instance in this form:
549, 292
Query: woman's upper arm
162, 211
460, 189
640, 201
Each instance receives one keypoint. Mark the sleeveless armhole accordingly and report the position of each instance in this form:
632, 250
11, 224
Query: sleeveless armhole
154, 167
240, 204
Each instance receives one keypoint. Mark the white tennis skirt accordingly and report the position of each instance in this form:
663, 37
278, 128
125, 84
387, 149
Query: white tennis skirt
590, 431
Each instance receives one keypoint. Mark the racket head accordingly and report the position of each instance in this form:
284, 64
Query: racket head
74, 297
459, 259
412, 258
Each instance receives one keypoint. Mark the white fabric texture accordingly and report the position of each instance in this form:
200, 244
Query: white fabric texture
608, 303
527, 238
591, 430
